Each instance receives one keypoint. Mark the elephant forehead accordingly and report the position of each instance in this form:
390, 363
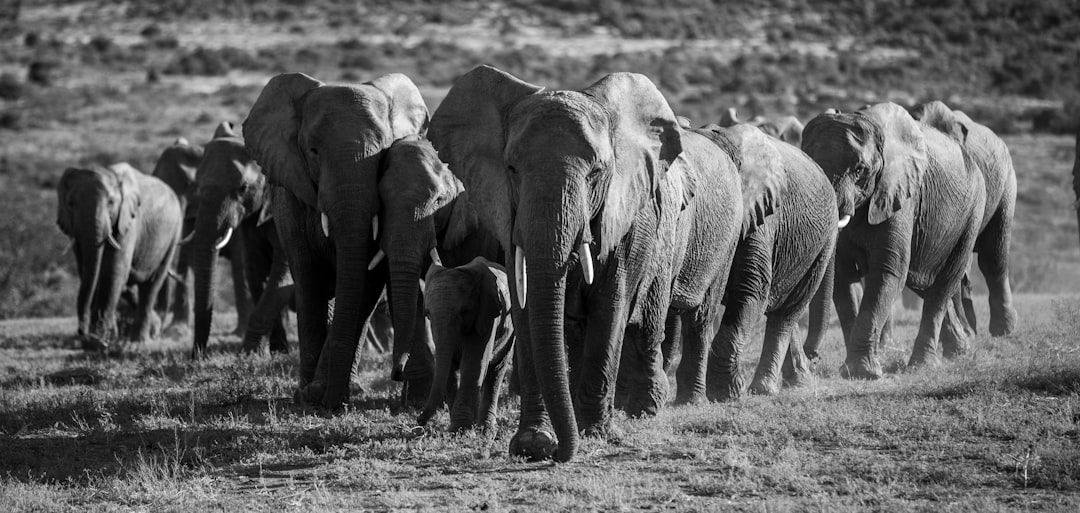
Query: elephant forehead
340, 105
564, 122
451, 283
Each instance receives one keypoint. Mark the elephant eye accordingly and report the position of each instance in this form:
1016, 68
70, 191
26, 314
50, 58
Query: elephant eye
314, 151
511, 169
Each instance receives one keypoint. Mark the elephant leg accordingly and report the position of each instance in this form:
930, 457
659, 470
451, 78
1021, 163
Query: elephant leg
535, 438
925, 351
643, 350
146, 319
312, 296
846, 295
271, 307
489, 402
993, 251
600, 359
181, 303
724, 377
473, 373
419, 371
779, 332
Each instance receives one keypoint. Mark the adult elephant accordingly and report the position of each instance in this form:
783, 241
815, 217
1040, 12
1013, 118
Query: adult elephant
555, 174
176, 167
912, 204
780, 269
233, 200
987, 152
125, 226
786, 128
323, 146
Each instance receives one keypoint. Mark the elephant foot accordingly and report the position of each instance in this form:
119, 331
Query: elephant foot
866, 367
764, 386
801, 379
923, 357
414, 392
693, 397
605, 431
279, 345
460, 426
534, 444
94, 344
310, 394
1003, 324
178, 331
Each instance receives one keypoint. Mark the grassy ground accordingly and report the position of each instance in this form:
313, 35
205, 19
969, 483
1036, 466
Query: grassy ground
996, 430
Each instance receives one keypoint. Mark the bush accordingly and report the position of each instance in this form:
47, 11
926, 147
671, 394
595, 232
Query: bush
42, 72
10, 87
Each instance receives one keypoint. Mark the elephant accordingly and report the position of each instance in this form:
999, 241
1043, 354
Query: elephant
786, 128
176, 167
555, 175
779, 269
987, 152
125, 226
1076, 176
323, 146
232, 198
469, 309
909, 204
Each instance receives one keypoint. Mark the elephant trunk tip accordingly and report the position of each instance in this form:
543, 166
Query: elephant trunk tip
397, 373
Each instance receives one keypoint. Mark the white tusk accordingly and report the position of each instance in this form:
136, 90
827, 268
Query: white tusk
844, 221
375, 227
71, 244
435, 256
187, 239
520, 275
375, 261
112, 241
325, 225
224, 239
585, 257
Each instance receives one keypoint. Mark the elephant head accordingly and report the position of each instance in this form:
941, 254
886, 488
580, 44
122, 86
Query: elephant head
941, 117
324, 144
551, 173
229, 188
96, 208
176, 167
465, 305
415, 186
875, 157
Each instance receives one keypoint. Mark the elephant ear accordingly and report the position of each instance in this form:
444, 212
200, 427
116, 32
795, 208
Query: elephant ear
408, 112
903, 160
225, 129
761, 174
646, 140
271, 130
63, 216
129, 196
266, 212
494, 301
938, 115
468, 131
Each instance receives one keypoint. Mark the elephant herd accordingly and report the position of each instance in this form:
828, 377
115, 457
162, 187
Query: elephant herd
584, 239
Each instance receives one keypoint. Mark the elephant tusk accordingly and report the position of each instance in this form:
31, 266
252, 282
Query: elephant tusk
325, 225
585, 257
112, 241
375, 228
375, 261
70, 245
520, 275
188, 238
224, 239
435, 256
844, 221
175, 276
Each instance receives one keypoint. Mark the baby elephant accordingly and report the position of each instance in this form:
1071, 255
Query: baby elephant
469, 309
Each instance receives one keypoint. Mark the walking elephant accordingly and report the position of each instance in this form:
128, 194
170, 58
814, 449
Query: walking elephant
988, 152
469, 308
176, 167
780, 269
912, 204
323, 146
125, 226
233, 201
557, 175
786, 128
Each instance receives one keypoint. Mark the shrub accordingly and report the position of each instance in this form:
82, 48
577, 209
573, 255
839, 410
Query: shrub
10, 87
42, 72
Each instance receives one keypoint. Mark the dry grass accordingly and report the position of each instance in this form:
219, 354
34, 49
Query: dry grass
998, 429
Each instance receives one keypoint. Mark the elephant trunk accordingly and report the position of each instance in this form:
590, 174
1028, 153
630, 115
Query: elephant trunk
89, 241
444, 360
204, 255
405, 302
351, 309
549, 238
